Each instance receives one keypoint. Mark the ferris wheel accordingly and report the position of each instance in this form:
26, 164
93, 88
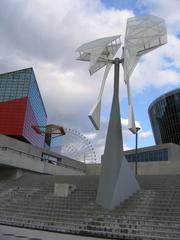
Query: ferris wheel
76, 146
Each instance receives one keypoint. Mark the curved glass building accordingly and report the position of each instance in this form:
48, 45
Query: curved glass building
164, 115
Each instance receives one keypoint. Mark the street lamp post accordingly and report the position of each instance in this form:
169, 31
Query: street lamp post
136, 170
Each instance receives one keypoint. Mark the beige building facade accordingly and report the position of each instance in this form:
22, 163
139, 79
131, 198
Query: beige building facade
161, 159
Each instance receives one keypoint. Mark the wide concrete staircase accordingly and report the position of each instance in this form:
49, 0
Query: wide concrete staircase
151, 213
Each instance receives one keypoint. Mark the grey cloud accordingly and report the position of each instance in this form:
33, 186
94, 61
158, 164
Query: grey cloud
44, 34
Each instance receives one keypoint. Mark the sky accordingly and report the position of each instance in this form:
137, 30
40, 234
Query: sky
44, 34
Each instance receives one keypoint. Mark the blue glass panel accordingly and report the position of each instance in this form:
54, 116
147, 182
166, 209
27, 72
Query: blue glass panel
14, 85
36, 102
156, 155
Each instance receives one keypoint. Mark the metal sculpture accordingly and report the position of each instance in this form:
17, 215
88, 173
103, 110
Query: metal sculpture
99, 53
143, 34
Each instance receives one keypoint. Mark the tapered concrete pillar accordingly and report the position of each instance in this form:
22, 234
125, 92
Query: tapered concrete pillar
117, 181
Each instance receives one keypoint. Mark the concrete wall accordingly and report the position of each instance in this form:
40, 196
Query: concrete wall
29, 158
93, 169
172, 166
10, 173
19, 145
17, 154
61, 170
65, 160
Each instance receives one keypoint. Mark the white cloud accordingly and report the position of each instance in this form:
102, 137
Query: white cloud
155, 70
91, 136
126, 147
169, 10
124, 122
145, 134
44, 34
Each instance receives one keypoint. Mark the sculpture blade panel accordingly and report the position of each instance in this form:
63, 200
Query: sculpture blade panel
131, 120
94, 114
99, 53
143, 34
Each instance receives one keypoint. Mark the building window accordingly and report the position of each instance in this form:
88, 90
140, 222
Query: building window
149, 156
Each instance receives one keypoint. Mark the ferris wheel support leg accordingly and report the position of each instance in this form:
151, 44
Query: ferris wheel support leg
117, 181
